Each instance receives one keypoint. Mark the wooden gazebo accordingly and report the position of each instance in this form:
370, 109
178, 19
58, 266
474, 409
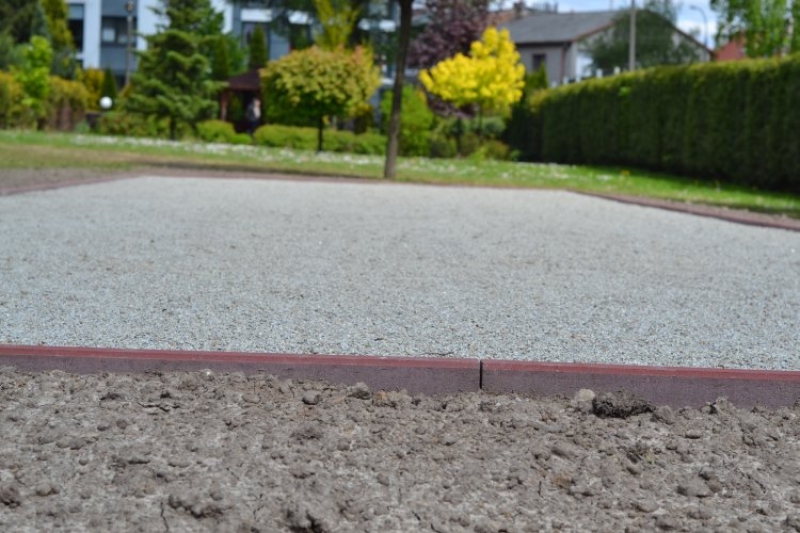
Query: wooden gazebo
246, 86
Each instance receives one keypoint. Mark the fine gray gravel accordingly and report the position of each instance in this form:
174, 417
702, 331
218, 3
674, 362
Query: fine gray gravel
385, 269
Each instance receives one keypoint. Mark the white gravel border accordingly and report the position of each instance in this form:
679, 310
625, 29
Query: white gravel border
388, 269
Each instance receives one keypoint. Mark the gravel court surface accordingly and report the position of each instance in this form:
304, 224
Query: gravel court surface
388, 269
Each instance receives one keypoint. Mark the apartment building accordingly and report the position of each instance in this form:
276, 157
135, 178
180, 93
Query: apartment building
105, 31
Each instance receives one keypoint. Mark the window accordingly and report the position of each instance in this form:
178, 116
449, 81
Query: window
539, 61
115, 30
75, 24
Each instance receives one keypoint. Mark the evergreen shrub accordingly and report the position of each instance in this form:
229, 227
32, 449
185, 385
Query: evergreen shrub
217, 131
12, 111
279, 136
734, 121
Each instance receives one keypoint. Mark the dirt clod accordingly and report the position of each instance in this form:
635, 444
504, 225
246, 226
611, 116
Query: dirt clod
620, 404
9, 495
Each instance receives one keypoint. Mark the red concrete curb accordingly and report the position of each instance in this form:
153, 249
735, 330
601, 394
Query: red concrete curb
416, 375
676, 387
730, 215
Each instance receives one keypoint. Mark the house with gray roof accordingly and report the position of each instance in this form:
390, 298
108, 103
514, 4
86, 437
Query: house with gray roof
560, 42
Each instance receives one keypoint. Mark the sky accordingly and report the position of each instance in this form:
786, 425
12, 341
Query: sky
689, 13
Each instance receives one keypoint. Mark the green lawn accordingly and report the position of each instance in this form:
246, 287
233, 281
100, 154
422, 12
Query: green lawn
37, 150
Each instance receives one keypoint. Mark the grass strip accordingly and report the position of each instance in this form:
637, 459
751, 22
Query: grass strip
31, 150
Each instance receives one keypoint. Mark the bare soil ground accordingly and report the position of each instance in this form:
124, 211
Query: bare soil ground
213, 452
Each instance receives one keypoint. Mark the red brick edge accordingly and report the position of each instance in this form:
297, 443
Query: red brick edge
416, 375
738, 216
677, 387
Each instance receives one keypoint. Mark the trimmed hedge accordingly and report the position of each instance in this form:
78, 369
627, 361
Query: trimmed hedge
219, 131
735, 121
306, 139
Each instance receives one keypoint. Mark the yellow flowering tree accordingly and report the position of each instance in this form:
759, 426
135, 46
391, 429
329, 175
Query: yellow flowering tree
490, 78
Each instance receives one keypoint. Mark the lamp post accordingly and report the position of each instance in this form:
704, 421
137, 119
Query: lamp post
705, 23
129, 6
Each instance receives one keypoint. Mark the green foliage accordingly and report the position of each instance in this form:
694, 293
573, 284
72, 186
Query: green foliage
217, 131
128, 124
173, 80
34, 75
17, 19
442, 145
314, 84
9, 55
415, 123
109, 87
535, 81
769, 26
735, 122
518, 132
337, 19
12, 110
306, 139
67, 102
220, 62
258, 56
64, 64
655, 42
237, 56
492, 149
92, 79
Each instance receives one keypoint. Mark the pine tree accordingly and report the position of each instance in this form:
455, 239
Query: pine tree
109, 86
258, 49
173, 80
220, 62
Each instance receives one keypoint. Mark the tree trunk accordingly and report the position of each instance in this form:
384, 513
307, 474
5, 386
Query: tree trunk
397, 91
320, 126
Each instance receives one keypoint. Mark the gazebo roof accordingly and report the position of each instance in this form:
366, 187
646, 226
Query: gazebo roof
248, 81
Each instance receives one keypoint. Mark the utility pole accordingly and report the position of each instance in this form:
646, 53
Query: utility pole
632, 44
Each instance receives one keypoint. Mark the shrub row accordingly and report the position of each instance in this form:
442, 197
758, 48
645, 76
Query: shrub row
66, 103
219, 131
735, 121
306, 139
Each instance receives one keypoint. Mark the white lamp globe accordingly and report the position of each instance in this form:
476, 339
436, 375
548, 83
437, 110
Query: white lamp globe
106, 103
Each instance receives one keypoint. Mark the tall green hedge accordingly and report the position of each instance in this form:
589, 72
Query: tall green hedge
737, 122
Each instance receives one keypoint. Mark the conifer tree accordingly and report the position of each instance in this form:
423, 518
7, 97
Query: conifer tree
173, 80
109, 86
220, 62
258, 49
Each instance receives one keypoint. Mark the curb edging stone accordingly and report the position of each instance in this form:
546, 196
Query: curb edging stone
676, 387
